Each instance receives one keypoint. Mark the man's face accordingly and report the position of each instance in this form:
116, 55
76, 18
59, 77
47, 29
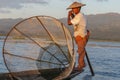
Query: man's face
76, 10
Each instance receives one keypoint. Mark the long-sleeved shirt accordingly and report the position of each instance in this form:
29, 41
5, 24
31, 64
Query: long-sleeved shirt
79, 23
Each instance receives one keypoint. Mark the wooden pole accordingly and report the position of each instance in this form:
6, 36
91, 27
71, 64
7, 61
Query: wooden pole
90, 66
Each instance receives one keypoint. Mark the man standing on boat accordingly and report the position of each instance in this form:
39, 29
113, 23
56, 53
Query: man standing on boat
81, 34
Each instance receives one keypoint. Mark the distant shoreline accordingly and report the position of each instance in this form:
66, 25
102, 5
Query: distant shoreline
102, 40
98, 40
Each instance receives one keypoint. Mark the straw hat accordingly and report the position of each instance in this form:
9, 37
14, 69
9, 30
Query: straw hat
75, 5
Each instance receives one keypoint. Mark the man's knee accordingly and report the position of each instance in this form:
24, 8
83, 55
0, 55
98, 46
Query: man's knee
80, 51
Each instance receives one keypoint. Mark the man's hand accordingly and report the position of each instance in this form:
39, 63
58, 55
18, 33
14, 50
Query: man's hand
71, 14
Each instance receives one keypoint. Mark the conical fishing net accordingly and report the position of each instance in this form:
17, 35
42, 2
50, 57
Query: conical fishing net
37, 48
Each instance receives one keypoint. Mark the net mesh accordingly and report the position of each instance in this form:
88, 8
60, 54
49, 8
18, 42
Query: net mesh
38, 46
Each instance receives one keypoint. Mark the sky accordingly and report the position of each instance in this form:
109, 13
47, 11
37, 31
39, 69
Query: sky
54, 8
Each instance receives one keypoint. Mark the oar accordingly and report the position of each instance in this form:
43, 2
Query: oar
90, 66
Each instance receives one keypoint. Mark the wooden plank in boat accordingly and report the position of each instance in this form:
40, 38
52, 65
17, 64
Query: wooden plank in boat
73, 74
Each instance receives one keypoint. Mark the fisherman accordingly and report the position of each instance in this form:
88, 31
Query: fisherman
81, 34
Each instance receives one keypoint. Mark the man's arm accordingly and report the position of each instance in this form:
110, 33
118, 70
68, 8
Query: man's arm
70, 16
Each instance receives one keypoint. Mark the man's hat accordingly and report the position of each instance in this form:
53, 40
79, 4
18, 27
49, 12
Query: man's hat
75, 5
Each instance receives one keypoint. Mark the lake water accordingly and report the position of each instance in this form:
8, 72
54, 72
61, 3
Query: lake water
104, 57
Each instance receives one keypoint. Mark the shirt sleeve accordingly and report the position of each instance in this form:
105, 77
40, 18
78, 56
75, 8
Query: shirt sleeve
75, 20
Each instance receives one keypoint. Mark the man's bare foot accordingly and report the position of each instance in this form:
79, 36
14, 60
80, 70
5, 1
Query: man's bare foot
78, 69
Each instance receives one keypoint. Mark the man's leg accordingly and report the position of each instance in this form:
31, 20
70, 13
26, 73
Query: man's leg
81, 59
81, 52
81, 43
84, 42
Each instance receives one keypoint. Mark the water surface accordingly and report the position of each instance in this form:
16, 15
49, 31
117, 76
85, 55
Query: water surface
104, 57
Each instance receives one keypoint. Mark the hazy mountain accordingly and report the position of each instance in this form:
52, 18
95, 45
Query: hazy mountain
102, 26
7, 24
105, 26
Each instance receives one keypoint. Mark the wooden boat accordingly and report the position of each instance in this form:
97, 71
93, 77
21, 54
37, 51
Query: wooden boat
34, 75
